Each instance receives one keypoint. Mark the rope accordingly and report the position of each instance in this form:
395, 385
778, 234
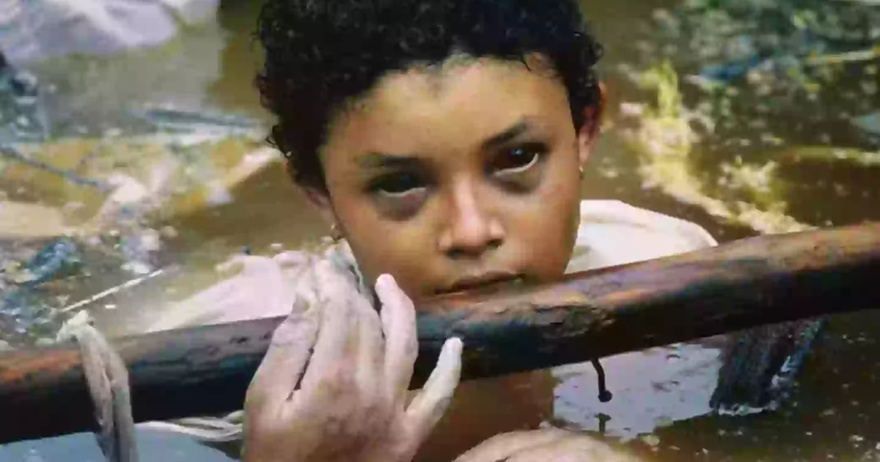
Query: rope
107, 380
206, 430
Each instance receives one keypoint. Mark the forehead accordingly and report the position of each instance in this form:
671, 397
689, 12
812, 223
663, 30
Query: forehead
454, 105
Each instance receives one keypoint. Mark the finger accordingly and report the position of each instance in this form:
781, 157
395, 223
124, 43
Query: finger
293, 257
370, 346
284, 362
333, 347
401, 341
431, 402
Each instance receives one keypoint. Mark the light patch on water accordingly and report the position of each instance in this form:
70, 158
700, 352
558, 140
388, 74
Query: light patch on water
665, 138
830, 154
757, 179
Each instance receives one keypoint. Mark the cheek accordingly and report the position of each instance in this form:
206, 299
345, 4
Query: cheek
546, 227
400, 248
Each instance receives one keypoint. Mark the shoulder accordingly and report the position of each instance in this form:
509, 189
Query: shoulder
612, 232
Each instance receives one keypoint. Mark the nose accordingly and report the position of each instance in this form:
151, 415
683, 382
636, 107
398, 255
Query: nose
471, 228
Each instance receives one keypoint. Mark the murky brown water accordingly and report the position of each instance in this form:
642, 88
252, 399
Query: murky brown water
834, 413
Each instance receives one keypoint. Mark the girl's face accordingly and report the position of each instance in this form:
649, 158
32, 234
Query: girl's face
457, 176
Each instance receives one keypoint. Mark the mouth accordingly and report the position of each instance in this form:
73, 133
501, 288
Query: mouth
481, 280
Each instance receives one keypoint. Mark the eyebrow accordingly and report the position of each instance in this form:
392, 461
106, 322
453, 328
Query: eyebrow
401, 161
515, 130
382, 160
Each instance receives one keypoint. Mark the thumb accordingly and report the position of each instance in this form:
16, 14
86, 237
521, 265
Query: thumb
431, 402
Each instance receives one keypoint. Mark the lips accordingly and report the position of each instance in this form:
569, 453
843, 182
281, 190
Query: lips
471, 282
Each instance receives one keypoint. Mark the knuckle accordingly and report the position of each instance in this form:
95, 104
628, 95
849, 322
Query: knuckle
337, 379
250, 399
296, 329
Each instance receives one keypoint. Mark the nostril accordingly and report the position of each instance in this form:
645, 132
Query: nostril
471, 251
457, 253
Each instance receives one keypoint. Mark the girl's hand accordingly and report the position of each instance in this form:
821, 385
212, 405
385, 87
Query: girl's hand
333, 388
545, 445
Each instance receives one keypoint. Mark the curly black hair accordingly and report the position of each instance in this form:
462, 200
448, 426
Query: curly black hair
319, 54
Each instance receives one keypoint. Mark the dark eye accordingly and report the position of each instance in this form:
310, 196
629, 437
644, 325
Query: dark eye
517, 160
398, 184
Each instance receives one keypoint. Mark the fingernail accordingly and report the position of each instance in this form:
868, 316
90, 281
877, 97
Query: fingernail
455, 345
385, 281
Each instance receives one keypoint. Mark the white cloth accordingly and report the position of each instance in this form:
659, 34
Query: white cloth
615, 233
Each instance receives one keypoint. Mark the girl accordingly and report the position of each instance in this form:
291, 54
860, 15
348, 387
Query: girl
444, 143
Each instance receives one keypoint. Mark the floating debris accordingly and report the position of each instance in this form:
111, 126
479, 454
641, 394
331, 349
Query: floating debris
760, 366
22, 115
869, 54
869, 123
26, 221
27, 311
651, 440
57, 258
168, 119
16, 155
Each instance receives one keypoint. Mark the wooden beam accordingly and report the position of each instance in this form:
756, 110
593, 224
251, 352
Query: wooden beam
505, 329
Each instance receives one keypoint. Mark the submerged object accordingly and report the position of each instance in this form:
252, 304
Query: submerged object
869, 123
22, 114
748, 283
176, 120
760, 365
728, 73
23, 306
18, 156
56, 258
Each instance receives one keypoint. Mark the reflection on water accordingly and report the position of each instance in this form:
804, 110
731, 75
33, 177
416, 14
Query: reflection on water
652, 388
760, 123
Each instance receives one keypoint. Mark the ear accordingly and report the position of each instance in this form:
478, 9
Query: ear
589, 131
320, 200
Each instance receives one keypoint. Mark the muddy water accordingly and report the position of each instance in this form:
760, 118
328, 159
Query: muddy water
756, 171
